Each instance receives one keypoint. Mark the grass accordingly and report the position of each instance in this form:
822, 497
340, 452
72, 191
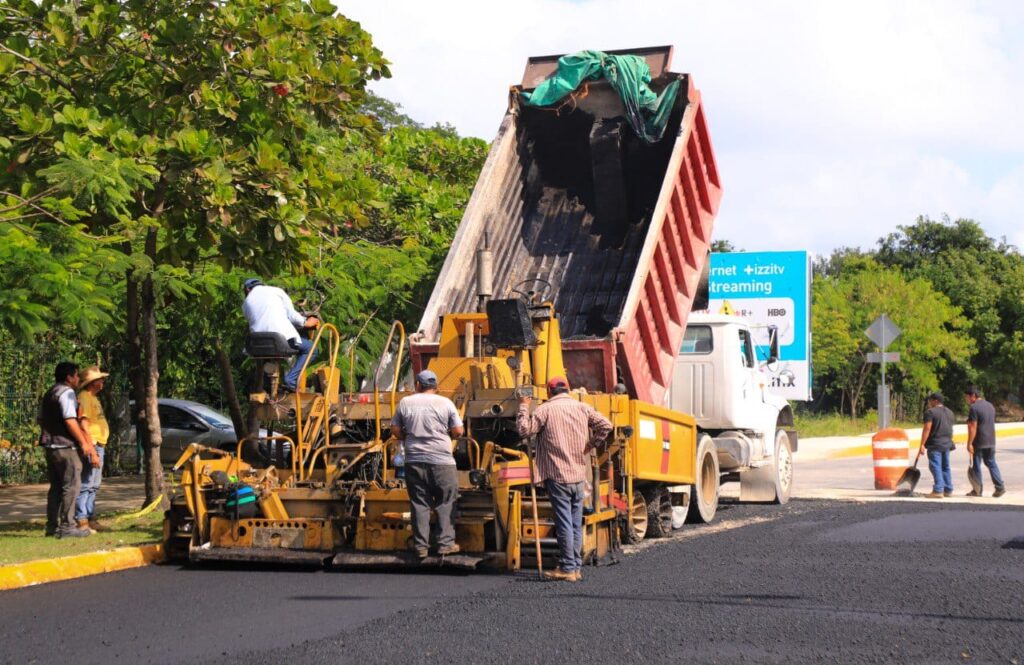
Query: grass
834, 424
24, 541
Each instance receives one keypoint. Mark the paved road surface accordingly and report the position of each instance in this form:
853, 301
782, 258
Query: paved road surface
815, 581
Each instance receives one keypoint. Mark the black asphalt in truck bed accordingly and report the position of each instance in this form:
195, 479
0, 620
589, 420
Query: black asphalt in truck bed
814, 581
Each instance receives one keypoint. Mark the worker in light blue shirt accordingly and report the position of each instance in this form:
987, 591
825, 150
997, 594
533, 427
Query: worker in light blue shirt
268, 309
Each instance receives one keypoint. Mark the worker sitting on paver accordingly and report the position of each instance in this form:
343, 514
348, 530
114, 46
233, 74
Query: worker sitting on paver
425, 423
937, 441
94, 424
566, 431
268, 309
61, 434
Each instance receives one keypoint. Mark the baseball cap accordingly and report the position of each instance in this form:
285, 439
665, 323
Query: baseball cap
557, 382
937, 396
251, 283
427, 378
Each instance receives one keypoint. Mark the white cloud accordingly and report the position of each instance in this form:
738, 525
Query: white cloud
833, 122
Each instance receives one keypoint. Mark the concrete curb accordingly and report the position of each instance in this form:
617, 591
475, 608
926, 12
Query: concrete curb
913, 437
42, 571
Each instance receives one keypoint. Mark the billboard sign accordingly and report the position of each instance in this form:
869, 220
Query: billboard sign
770, 289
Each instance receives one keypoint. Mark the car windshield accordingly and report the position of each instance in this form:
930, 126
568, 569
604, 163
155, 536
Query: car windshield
211, 417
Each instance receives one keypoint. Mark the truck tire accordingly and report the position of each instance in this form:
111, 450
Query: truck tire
659, 512
783, 468
634, 527
704, 492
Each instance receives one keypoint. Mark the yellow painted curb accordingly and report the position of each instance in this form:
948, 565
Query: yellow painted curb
41, 571
865, 449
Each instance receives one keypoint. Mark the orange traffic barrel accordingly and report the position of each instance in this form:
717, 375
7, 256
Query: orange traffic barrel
890, 449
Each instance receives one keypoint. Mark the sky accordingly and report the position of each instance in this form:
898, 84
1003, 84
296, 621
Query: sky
833, 122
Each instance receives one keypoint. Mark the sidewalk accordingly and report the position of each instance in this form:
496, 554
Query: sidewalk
27, 503
843, 447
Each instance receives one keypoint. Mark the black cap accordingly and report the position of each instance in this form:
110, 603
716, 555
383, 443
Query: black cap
973, 391
937, 396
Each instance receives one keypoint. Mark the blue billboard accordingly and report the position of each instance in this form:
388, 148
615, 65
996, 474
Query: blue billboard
770, 289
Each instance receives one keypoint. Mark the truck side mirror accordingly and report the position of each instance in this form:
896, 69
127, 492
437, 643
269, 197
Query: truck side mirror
773, 344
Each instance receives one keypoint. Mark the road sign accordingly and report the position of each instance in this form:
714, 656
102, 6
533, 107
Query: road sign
882, 332
769, 289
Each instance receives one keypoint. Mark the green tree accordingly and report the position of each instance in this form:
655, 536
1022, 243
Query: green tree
187, 131
844, 305
982, 276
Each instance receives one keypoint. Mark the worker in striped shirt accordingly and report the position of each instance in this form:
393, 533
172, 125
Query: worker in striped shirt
566, 431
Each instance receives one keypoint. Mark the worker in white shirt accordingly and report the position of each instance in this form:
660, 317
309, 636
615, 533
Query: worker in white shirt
268, 309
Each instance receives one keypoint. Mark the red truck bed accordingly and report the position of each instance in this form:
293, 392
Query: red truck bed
619, 228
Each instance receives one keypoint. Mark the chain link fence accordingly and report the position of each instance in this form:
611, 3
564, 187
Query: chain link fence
26, 373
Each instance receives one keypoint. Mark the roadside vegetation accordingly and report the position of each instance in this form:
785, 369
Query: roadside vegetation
155, 153
25, 541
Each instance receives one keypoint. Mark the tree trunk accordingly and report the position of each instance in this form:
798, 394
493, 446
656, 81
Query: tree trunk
154, 470
137, 410
227, 382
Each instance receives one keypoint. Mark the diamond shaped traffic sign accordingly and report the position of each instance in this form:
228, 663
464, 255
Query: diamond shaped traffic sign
882, 332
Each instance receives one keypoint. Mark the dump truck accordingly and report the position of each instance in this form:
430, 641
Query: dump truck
580, 253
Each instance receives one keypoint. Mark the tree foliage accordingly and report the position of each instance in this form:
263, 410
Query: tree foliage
844, 305
984, 278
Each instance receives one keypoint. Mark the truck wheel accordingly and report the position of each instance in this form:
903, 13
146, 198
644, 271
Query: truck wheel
783, 468
704, 492
659, 513
635, 527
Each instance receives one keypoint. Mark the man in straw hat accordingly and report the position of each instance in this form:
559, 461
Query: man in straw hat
90, 414
65, 444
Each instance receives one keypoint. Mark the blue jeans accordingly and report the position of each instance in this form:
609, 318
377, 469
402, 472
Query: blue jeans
567, 504
305, 347
988, 457
938, 464
85, 504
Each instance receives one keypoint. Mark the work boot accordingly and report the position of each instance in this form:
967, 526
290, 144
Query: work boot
73, 532
449, 549
999, 492
560, 575
579, 575
973, 493
421, 552
95, 526
948, 493
85, 526
935, 495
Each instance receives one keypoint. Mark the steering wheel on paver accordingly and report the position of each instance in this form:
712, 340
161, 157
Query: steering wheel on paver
528, 296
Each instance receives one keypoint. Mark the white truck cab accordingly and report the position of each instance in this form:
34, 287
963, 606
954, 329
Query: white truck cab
719, 378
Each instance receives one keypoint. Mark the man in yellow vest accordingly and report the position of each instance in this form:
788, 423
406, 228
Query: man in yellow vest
90, 414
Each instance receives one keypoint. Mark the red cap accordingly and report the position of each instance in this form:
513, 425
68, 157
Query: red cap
557, 382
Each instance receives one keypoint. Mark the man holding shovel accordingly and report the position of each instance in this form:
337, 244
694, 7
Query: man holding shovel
937, 441
981, 440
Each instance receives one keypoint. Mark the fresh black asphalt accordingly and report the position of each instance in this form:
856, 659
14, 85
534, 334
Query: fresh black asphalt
814, 581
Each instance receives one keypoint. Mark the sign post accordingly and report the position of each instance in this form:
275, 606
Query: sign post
883, 332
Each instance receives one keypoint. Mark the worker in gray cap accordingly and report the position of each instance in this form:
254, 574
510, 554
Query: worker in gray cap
426, 423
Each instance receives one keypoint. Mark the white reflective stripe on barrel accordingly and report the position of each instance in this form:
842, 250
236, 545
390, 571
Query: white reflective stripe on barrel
891, 462
890, 445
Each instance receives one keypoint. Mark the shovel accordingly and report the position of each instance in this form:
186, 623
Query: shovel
973, 477
908, 481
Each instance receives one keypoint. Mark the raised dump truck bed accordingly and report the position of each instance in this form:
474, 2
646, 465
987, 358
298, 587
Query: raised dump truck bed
614, 231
